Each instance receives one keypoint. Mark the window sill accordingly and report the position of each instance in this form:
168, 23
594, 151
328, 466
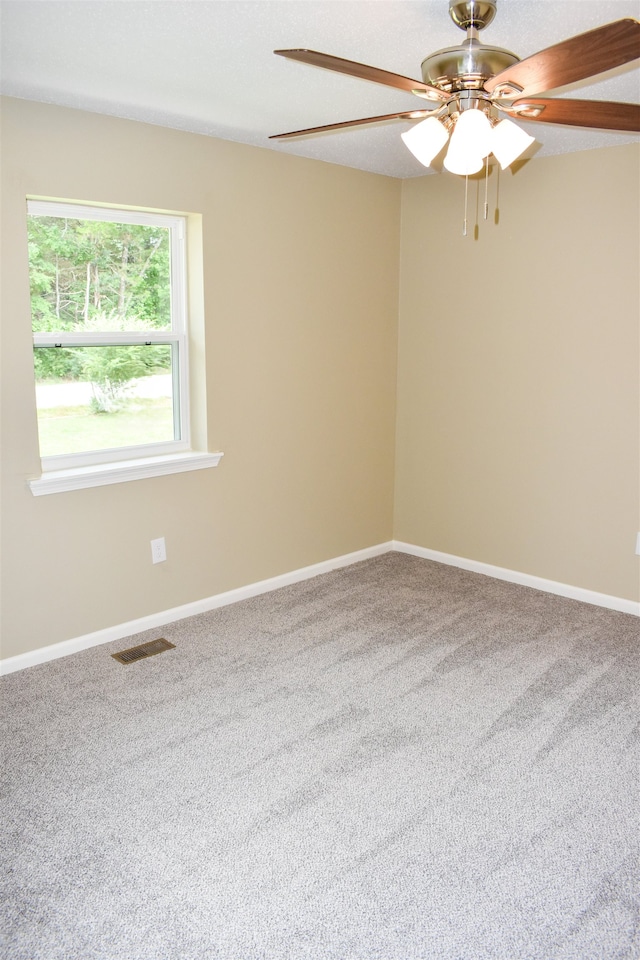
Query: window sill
60, 481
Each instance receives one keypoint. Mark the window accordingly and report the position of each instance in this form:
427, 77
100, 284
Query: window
110, 339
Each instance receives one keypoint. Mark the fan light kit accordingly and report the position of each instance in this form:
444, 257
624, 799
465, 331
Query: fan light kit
470, 85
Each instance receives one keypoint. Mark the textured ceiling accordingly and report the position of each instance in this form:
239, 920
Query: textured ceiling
208, 67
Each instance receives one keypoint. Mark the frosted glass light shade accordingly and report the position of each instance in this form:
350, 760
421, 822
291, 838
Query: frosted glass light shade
463, 164
472, 134
426, 139
508, 141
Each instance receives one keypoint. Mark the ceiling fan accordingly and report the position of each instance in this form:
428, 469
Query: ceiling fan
470, 85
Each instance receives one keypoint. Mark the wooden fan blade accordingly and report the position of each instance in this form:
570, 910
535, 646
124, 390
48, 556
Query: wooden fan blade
411, 115
602, 114
353, 69
578, 58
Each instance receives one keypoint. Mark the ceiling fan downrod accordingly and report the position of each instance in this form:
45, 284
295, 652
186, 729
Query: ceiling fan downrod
472, 63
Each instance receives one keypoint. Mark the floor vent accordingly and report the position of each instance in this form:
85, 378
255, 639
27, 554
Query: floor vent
143, 651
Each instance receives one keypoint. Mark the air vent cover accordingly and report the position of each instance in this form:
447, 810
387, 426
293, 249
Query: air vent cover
143, 650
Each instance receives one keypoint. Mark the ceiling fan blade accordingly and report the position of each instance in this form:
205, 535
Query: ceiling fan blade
578, 58
601, 114
410, 115
364, 72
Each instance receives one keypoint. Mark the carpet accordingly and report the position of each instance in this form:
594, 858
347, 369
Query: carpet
396, 760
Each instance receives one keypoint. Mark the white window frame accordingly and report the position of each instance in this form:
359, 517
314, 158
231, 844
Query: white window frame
98, 467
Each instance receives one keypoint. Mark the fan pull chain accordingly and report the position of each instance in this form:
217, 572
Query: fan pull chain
466, 196
486, 190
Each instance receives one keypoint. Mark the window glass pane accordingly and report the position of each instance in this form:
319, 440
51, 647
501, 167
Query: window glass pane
93, 275
98, 398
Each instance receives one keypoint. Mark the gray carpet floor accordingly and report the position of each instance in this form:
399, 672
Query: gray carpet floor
393, 761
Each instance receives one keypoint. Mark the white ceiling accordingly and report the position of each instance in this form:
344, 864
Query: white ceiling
207, 66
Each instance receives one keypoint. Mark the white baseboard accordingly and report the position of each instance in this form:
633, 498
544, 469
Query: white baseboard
156, 620
524, 579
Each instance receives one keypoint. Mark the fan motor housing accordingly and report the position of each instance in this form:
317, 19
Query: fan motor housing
465, 67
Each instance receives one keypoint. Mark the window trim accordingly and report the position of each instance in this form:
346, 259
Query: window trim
64, 472
98, 475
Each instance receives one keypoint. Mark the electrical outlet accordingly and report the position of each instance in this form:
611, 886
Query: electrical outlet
158, 550
638, 544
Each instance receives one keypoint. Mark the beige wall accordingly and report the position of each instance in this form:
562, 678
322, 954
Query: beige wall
301, 293
518, 378
517, 434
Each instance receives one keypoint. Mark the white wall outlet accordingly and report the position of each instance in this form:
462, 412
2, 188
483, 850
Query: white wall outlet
638, 544
158, 550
